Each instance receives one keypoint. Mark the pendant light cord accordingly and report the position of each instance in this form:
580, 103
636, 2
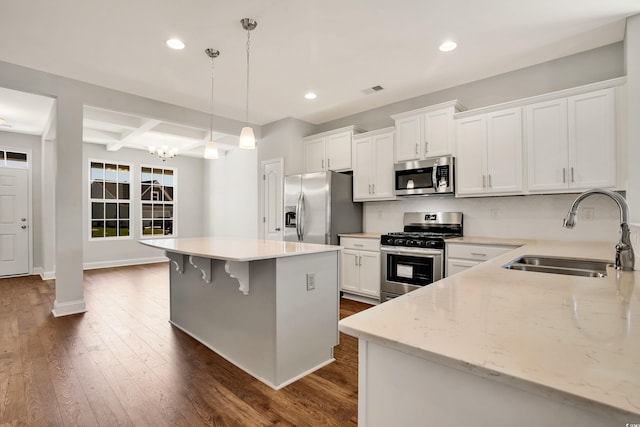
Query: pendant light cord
246, 117
211, 116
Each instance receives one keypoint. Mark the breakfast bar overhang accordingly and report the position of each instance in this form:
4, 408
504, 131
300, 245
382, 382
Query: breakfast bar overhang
269, 307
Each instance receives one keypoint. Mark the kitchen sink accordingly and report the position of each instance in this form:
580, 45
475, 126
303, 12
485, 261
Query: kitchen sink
560, 265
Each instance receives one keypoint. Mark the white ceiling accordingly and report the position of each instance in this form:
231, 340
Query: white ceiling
24, 112
337, 48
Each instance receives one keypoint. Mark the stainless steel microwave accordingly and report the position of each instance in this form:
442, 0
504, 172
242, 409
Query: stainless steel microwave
435, 175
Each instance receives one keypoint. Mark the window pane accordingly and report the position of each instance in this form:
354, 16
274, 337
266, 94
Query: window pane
168, 194
97, 210
146, 227
145, 176
145, 192
147, 210
123, 174
158, 227
123, 210
1, 157
168, 178
168, 211
123, 228
157, 176
123, 191
110, 190
111, 211
97, 228
97, 171
111, 228
156, 193
97, 190
168, 228
157, 211
110, 172
16, 160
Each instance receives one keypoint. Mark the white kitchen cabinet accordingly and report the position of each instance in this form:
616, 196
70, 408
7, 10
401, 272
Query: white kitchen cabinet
427, 132
571, 142
489, 157
329, 150
462, 256
360, 266
373, 173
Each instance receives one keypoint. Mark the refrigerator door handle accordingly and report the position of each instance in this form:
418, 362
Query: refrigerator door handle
301, 220
298, 216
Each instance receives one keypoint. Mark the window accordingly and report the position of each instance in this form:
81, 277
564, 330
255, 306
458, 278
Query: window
12, 159
157, 194
110, 199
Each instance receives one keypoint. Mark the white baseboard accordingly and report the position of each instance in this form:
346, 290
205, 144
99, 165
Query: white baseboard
68, 308
122, 262
44, 275
360, 298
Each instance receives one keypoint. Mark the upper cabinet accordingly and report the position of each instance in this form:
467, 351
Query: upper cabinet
427, 132
489, 157
571, 142
373, 172
329, 150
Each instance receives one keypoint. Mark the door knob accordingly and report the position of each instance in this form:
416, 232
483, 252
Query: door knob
24, 227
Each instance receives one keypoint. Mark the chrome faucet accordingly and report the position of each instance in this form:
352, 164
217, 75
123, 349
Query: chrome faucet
624, 251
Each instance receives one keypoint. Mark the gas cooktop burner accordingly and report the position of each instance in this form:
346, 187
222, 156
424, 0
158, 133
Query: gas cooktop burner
422, 235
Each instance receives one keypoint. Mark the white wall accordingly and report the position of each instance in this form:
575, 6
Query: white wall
632, 63
189, 214
531, 217
230, 201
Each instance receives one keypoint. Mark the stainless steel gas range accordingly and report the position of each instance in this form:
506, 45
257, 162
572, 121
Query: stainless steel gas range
415, 257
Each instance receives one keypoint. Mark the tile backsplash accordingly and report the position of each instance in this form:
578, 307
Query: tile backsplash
530, 217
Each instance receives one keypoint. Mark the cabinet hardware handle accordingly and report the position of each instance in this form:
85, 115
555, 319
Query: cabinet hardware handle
478, 254
277, 228
373, 187
358, 245
356, 260
369, 188
572, 177
426, 147
484, 181
328, 163
564, 175
322, 165
24, 227
23, 219
489, 182
416, 148
360, 261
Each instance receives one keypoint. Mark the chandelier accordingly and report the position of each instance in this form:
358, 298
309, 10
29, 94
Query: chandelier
163, 152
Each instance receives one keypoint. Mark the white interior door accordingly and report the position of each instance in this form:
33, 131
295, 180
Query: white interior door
272, 199
14, 222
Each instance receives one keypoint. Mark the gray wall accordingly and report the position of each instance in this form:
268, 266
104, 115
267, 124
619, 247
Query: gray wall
632, 64
595, 65
108, 252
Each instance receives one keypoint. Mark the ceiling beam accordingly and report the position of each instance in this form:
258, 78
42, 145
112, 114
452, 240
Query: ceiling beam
146, 125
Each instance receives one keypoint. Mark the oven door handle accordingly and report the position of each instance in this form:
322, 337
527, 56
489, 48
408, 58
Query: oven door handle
426, 253
434, 176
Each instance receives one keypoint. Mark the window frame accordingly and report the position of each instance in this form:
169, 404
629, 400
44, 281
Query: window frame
130, 200
174, 203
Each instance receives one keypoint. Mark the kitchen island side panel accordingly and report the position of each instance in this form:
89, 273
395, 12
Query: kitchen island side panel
239, 327
307, 325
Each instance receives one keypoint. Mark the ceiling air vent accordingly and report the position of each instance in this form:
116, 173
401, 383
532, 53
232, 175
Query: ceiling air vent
373, 89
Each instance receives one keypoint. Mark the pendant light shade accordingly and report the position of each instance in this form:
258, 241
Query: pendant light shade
247, 137
211, 149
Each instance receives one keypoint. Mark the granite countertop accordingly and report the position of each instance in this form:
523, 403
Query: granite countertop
571, 338
236, 249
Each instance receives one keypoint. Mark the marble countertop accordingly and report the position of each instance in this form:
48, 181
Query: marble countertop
362, 235
573, 338
236, 249
471, 240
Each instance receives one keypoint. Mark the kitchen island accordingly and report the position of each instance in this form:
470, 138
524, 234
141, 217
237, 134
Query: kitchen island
497, 347
269, 307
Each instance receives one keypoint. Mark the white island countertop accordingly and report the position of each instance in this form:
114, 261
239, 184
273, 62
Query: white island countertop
235, 248
570, 338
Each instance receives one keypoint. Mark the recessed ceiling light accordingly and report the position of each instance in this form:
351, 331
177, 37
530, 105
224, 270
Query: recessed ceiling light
448, 46
310, 95
175, 44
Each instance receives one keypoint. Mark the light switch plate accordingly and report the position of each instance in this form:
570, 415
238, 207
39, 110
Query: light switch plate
311, 281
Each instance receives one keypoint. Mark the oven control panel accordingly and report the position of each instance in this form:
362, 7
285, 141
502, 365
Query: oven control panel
412, 242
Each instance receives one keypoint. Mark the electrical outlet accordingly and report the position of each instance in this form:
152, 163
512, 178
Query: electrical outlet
311, 281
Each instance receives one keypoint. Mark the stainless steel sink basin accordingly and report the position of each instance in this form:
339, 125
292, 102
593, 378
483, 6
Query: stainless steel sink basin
560, 265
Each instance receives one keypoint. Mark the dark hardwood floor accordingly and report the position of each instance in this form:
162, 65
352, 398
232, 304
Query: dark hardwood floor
122, 363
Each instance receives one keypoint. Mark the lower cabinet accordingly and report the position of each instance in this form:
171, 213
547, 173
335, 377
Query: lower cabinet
462, 256
360, 266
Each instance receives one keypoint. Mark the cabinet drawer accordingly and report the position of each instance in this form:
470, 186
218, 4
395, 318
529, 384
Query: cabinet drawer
360, 244
475, 252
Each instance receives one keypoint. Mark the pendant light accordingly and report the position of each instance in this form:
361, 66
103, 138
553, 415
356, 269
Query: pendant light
211, 149
247, 137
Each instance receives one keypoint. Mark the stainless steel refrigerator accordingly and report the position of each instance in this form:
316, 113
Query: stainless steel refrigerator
319, 206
